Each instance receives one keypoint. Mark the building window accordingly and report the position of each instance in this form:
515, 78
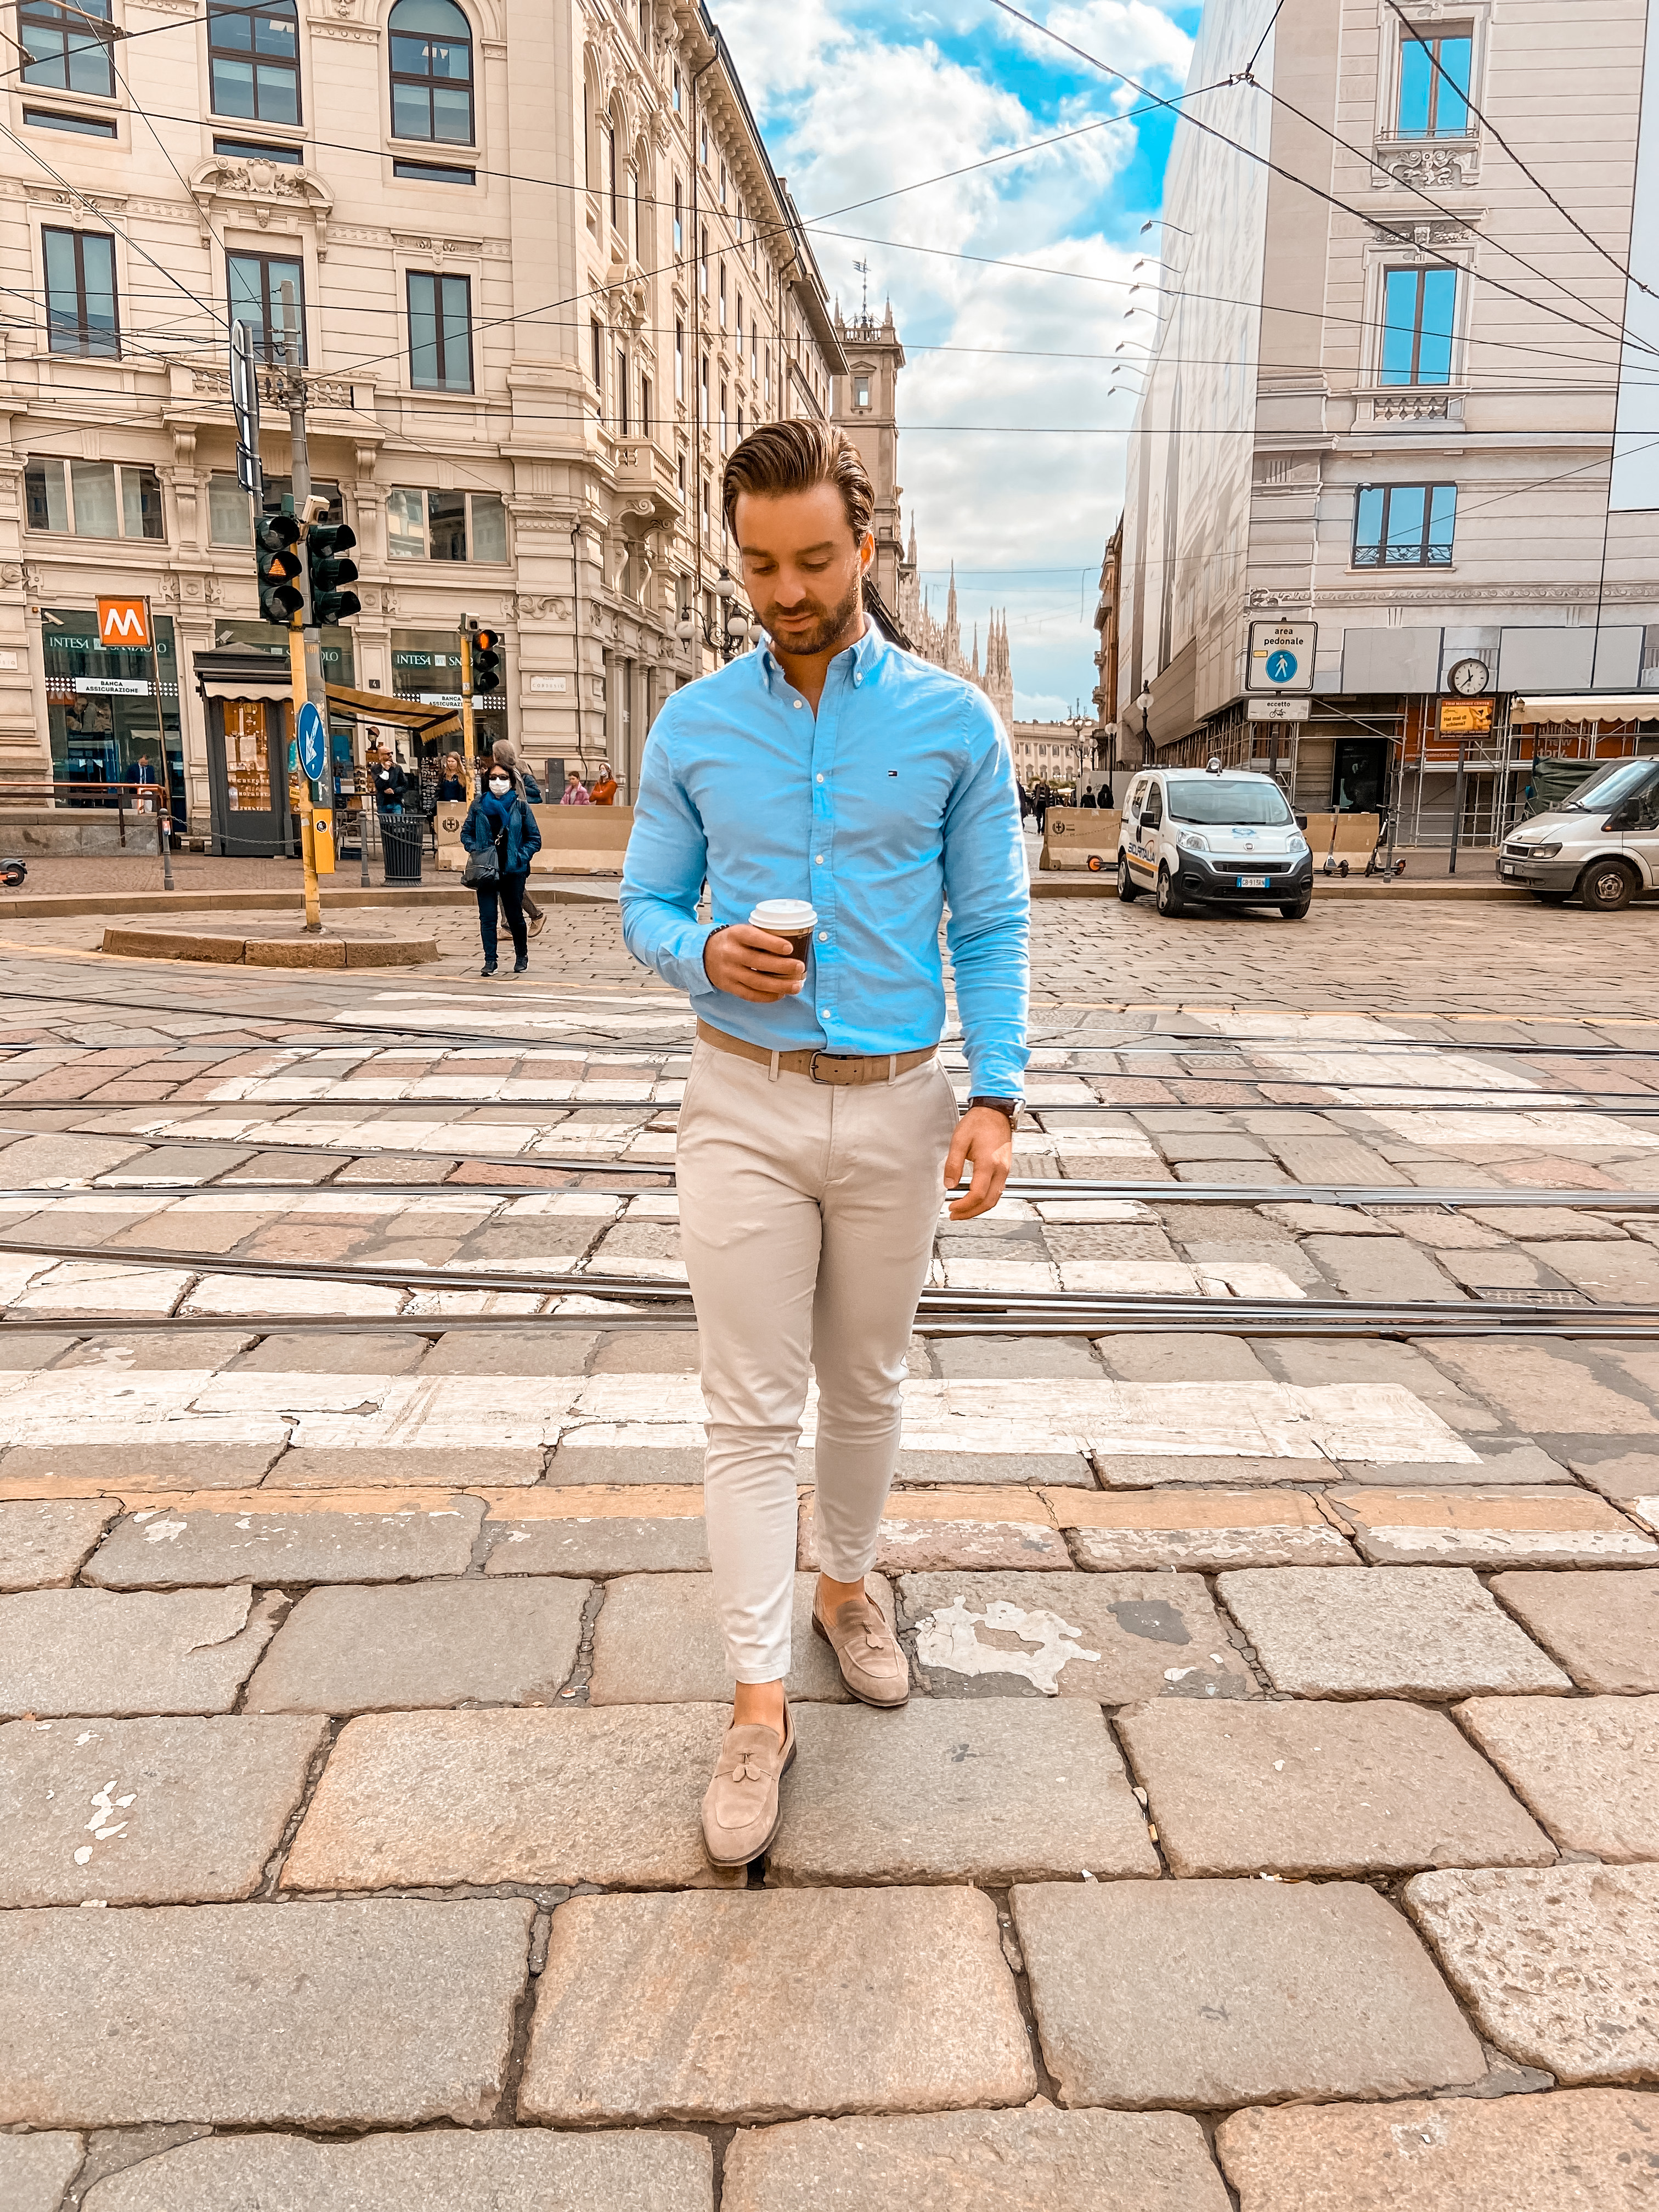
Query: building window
256, 298
705, 510
702, 261
1434, 83
431, 72
679, 473
1404, 525
1417, 306
595, 334
640, 231
702, 400
429, 172
679, 93
861, 392
754, 350
92, 499
62, 48
439, 332
722, 184
738, 319
679, 221
723, 440
230, 511
254, 62
722, 291
645, 407
679, 360
622, 391
705, 141
81, 310
445, 525
83, 126
740, 422
610, 169
256, 149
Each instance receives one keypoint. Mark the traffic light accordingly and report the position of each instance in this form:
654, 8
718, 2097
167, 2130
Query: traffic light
486, 663
326, 544
275, 536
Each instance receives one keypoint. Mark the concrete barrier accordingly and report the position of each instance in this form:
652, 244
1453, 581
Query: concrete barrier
576, 841
1081, 837
271, 951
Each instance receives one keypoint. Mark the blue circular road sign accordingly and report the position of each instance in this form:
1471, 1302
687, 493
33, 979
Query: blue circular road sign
311, 735
1281, 667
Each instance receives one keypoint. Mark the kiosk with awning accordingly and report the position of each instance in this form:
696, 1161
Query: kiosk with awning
246, 692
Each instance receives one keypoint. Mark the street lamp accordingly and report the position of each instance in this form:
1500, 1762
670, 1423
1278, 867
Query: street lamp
736, 625
1145, 703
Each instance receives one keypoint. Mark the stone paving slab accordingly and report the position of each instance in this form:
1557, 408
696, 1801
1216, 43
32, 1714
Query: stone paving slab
1384, 1631
1205, 1993
147, 1812
988, 1792
1032, 2160
353, 1650
427, 1800
444, 2170
656, 1642
96, 1651
1633, 1476
1588, 1767
621, 1530
1603, 1628
26, 1470
264, 1537
1558, 1965
1111, 1638
35, 2170
773, 2004
378, 2012
1203, 1530
1326, 1788
923, 1528
1492, 1527
1579, 2150
44, 1541
356, 1466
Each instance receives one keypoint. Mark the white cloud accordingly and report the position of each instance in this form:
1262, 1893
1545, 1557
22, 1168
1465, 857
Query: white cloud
854, 106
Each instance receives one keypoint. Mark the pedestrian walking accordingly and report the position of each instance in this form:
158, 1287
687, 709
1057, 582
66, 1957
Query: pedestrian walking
575, 791
499, 834
452, 786
507, 753
831, 789
604, 792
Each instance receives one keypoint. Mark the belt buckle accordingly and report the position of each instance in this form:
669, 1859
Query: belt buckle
840, 1059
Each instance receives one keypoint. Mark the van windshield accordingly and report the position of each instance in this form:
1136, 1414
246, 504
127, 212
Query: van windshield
1616, 786
1210, 798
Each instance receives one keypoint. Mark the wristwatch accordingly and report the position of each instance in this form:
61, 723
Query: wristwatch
1009, 1106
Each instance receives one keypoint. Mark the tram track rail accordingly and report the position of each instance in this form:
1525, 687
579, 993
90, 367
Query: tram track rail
943, 1308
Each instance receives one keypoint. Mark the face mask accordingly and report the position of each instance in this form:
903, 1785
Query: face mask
500, 786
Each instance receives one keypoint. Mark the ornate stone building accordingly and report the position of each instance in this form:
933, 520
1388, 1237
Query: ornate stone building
543, 275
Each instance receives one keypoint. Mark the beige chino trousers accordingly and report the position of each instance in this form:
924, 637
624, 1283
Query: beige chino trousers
807, 1214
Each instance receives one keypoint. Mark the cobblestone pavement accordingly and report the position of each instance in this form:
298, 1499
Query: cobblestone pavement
1274, 1823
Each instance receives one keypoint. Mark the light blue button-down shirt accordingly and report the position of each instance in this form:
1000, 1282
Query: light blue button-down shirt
896, 800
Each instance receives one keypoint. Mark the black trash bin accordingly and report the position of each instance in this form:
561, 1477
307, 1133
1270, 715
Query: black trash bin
400, 845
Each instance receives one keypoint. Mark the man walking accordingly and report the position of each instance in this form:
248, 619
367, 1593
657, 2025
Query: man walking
818, 1128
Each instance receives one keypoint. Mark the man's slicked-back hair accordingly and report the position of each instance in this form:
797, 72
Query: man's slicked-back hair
781, 458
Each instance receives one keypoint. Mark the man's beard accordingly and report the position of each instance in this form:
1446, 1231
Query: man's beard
826, 630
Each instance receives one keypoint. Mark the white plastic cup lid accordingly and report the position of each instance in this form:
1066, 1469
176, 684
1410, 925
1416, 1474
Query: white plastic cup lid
784, 917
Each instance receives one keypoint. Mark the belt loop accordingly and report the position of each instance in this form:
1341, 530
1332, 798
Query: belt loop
892, 1068
772, 1075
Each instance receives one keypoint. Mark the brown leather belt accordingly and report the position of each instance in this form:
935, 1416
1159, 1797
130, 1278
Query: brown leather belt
833, 1067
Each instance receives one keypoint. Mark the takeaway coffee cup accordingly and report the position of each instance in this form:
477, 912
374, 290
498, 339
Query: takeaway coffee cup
795, 919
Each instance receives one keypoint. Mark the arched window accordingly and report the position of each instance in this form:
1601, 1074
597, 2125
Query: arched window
431, 72
254, 62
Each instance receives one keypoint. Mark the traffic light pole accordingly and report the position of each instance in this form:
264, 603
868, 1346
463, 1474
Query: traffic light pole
468, 725
304, 639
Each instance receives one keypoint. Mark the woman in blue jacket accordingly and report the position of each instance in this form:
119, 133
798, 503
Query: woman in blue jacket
500, 819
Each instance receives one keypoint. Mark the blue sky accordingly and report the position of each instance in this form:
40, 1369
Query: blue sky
855, 100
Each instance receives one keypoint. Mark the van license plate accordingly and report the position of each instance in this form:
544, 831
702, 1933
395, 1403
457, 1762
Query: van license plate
1509, 869
1252, 883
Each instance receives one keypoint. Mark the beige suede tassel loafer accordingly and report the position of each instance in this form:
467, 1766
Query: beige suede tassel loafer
740, 1812
873, 1666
